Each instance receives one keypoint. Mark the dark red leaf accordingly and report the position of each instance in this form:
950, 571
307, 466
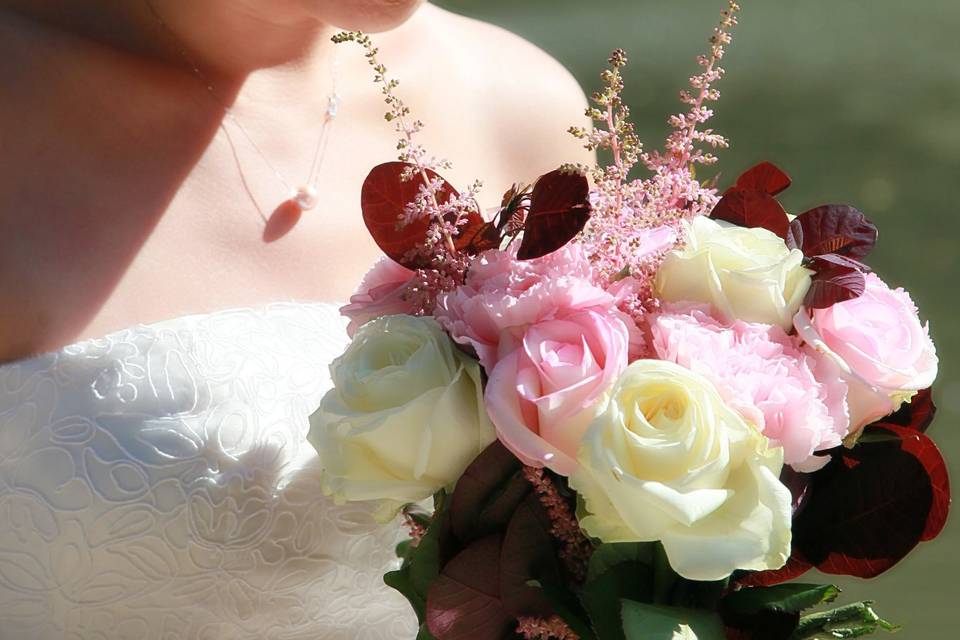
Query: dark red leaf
796, 566
751, 208
477, 239
765, 177
917, 414
751, 202
874, 503
487, 494
464, 601
835, 259
832, 228
382, 200
559, 209
799, 485
836, 279
925, 450
528, 554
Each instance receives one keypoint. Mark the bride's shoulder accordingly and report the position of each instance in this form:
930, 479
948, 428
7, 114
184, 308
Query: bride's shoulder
465, 39
522, 91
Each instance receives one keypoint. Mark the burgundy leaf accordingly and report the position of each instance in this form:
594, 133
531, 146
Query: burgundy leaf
751, 208
799, 485
383, 198
832, 228
464, 601
476, 239
751, 202
836, 279
559, 209
528, 554
765, 177
835, 259
917, 414
873, 504
487, 494
796, 566
927, 452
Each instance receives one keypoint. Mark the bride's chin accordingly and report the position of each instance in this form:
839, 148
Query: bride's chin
370, 16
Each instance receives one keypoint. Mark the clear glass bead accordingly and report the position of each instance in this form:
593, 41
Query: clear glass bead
333, 106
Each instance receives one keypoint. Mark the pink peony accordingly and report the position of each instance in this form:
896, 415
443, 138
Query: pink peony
381, 293
761, 373
503, 296
542, 396
877, 344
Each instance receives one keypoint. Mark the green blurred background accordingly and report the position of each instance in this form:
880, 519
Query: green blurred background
859, 101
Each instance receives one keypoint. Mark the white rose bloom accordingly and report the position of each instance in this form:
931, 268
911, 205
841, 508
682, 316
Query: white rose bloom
405, 416
668, 460
745, 273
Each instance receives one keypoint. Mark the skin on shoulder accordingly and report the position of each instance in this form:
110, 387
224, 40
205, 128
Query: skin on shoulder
138, 212
527, 99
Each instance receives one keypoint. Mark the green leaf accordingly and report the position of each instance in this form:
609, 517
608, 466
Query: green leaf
782, 598
665, 579
400, 580
610, 555
567, 606
654, 622
601, 599
849, 621
421, 566
698, 594
616, 572
425, 559
403, 549
424, 633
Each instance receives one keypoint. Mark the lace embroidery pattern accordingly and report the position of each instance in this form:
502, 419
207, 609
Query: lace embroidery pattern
156, 484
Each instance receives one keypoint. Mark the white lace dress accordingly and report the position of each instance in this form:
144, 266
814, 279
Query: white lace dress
156, 485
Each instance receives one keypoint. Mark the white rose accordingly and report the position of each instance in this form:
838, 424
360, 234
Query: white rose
668, 460
405, 416
746, 274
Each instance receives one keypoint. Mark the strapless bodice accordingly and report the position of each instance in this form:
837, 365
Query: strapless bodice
156, 484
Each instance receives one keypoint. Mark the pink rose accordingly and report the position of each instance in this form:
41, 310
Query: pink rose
762, 374
381, 293
542, 396
876, 343
503, 296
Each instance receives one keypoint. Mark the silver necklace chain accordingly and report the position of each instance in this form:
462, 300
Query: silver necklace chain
305, 196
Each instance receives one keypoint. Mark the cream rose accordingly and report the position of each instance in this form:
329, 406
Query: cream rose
667, 460
404, 418
746, 274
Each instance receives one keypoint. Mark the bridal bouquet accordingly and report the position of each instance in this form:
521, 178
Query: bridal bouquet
623, 409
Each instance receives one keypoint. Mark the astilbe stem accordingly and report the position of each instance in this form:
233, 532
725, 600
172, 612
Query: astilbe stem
575, 548
682, 144
625, 212
447, 266
553, 628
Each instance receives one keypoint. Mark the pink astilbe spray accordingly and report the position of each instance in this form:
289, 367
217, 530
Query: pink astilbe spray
553, 628
575, 548
446, 266
635, 222
415, 526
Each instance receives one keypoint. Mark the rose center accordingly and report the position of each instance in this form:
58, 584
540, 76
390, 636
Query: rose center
662, 411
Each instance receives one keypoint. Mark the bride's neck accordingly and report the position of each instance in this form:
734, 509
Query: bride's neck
227, 39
